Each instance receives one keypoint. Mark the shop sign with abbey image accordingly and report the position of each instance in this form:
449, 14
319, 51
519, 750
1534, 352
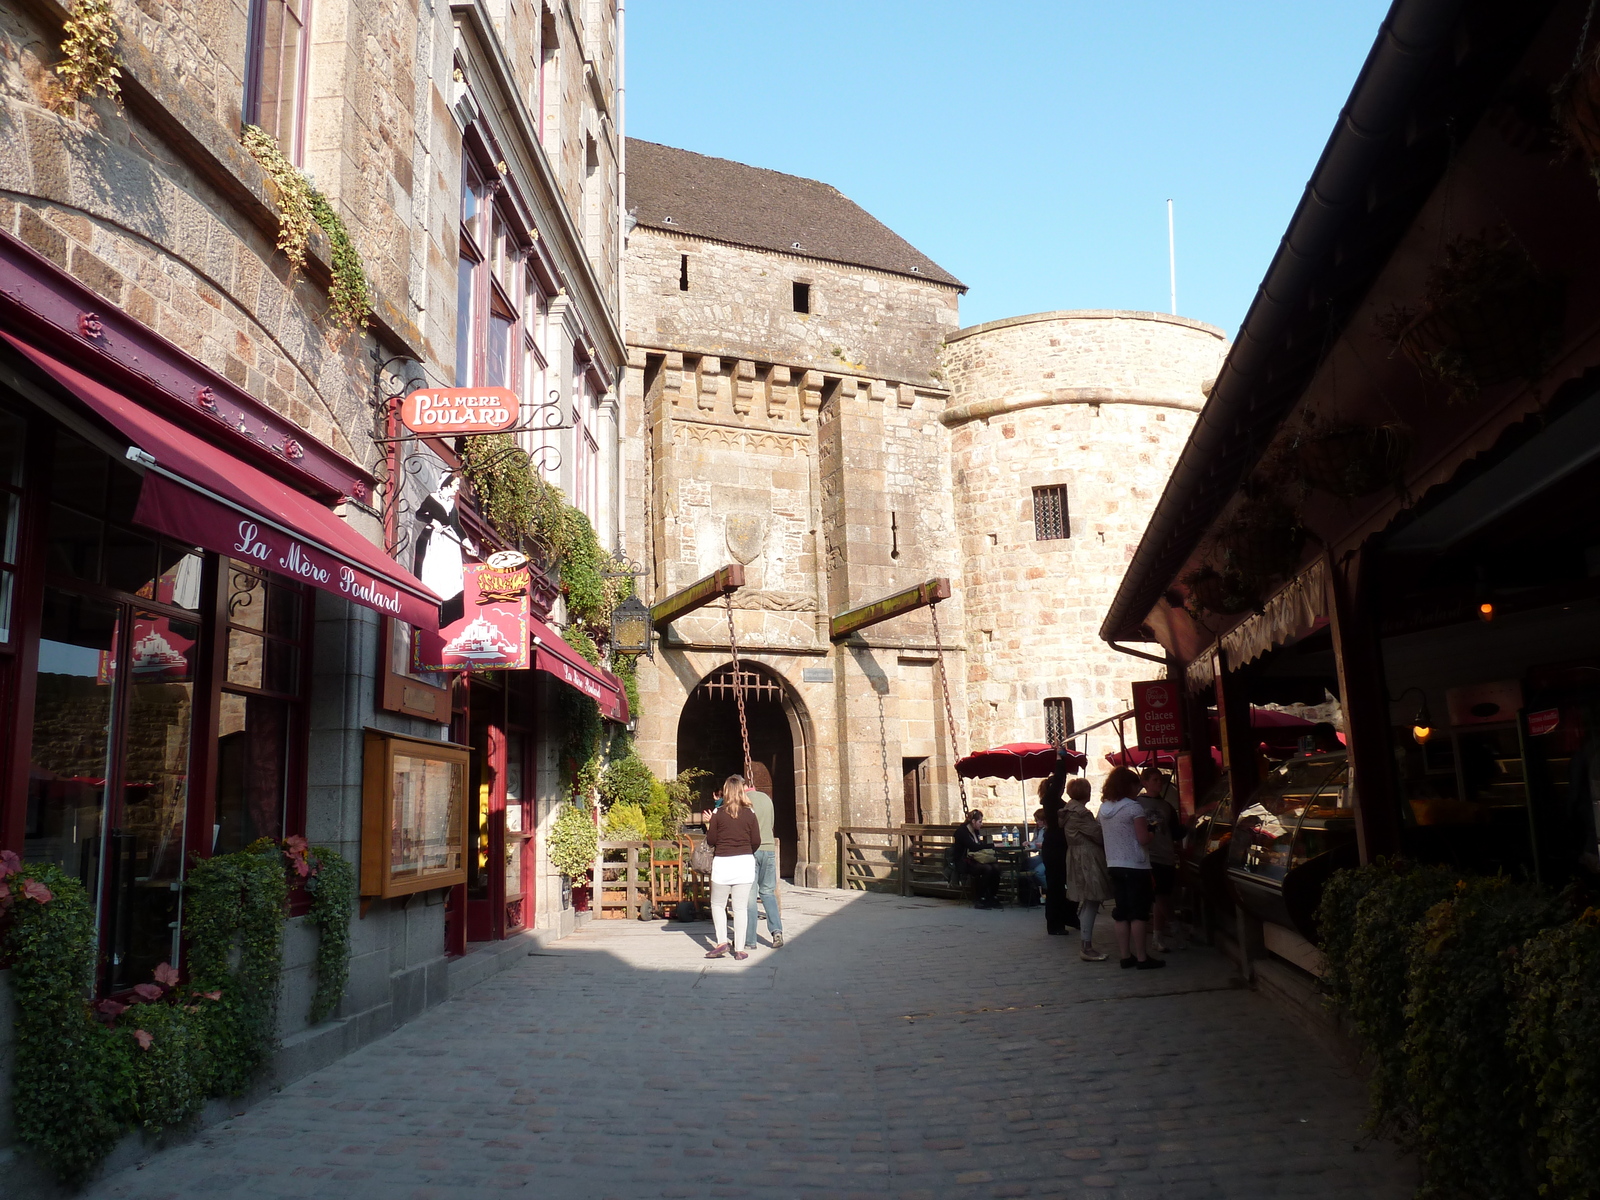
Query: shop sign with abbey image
1155, 714
451, 411
492, 634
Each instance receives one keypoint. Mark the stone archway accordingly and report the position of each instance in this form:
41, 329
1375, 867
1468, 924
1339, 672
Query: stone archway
708, 738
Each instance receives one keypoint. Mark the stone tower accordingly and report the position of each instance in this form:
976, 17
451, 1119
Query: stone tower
1064, 427
782, 411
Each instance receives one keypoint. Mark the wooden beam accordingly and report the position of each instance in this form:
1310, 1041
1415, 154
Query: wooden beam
697, 595
896, 605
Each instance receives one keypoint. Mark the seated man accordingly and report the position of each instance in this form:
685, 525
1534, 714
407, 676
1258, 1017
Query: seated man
974, 855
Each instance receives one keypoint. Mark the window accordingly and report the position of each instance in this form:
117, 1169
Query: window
535, 320
683, 272
1050, 521
586, 470
802, 297
275, 72
13, 437
549, 86
1058, 722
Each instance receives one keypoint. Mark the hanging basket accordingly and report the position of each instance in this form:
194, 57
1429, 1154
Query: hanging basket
1214, 592
1355, 460
1577, 108
1261, 542
1488, 316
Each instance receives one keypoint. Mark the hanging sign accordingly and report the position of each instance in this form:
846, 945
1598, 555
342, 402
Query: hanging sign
451, 411
1546, 720
1155, 715
492, 634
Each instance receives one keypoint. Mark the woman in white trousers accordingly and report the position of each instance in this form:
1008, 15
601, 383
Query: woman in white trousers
734, 836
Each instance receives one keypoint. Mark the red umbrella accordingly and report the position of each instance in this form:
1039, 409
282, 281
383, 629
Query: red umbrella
1135, 757
1019, 760
1279, 730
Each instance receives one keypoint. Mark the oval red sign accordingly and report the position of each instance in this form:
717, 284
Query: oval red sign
450, 411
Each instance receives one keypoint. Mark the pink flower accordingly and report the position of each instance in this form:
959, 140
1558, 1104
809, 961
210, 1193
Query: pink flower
34, 890
147, 991
110, 1008
10, 864
144, 1039
166, 973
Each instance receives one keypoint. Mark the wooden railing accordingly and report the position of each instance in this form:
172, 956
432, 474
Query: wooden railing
912, 860
621, 884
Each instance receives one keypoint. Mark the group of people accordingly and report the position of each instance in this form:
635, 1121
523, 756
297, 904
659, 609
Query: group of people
1124, 850
744, 867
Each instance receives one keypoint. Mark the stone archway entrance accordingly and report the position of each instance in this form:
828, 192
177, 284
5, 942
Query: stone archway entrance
708, 738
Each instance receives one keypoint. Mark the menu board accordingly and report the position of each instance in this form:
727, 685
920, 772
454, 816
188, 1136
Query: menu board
414, 815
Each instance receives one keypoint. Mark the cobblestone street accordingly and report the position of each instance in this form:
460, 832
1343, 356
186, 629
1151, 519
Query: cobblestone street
905, 1048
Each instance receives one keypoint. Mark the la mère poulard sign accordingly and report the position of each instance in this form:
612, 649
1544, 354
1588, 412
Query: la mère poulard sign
492, 634
454, 411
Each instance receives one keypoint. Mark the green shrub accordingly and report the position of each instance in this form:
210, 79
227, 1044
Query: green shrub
573, 842
626, 823
1555, 1034
171, 1066
332, 887
71, 1082
626, 780
1366, 918
1463, 1080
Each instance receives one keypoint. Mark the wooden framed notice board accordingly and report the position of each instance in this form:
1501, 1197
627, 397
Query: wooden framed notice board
413, 815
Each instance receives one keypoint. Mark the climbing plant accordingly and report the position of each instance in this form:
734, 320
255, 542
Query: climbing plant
300, 205
89, 53
329, 880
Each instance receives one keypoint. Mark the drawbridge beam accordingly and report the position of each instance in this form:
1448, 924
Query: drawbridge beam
697, 595
857, 619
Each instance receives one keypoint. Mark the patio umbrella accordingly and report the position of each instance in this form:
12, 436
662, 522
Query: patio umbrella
1135, 757
1018, 760
1278, 730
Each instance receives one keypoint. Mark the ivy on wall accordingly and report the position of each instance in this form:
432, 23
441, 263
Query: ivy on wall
300, 205
89, 54
86, 1073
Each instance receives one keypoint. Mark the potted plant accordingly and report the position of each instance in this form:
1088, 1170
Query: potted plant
1225, 595
574, 842
1261, 542
1487, 315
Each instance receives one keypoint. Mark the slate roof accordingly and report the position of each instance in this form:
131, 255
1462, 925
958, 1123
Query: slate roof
678, 191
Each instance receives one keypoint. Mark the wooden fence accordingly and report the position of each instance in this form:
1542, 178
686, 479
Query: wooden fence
915, 860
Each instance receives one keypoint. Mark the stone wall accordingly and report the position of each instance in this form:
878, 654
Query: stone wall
1100, 403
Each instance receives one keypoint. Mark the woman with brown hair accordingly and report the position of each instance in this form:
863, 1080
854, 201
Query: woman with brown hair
734, 836
1087, 881
1126, 833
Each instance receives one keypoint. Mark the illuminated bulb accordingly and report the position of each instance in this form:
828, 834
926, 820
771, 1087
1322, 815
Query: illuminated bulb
1485, 611
1421, 733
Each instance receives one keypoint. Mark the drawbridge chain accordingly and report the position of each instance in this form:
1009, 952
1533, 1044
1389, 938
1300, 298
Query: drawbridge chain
738, 688
949, 713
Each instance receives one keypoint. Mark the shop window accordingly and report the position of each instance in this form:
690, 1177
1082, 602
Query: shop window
13, 436
275, 72
802, 297
1058, 722
1050, 518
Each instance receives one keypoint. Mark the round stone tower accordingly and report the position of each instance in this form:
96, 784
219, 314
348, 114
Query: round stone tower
1064, 428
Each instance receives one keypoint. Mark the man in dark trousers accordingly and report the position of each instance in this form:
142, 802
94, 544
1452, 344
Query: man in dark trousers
1059, 913
972, 846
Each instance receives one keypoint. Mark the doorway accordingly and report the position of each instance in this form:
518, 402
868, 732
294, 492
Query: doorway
918, 789
708, 738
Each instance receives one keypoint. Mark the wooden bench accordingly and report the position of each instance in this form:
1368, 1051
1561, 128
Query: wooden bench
916, 860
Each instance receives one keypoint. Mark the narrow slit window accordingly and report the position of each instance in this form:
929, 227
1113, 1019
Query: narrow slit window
1058, 722
802, 297
683, 272
1050, 520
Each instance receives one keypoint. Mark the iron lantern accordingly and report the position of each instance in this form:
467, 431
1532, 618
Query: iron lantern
630, 628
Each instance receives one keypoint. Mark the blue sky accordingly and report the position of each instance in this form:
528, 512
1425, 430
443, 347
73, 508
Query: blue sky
1028, 147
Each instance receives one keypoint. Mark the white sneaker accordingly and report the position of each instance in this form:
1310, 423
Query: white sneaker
1155, 944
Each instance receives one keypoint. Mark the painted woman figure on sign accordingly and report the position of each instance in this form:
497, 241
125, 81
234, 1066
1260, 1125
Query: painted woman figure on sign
440, 545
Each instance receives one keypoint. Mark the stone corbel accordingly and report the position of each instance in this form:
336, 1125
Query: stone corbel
907, 395
744, 387
709, 374
879, 390
780, 393
672, 376
810, 384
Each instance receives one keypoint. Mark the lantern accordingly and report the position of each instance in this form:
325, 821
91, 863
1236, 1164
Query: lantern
630, 628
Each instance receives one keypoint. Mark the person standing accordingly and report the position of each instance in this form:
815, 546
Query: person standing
766, 884
1087, 881
734, 836
1058, 914
1165, 828
1126, 833
974, 855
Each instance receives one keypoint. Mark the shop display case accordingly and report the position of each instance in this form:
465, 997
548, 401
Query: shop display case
1203, 859
1298, 828
413, 815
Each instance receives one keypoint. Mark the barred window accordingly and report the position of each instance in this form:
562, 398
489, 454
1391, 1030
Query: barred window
1058, 722
1050, 519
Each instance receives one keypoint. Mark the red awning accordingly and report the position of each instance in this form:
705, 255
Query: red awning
199, 494
553, 656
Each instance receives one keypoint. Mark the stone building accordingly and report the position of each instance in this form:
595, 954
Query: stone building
471, 151
800, 399
1063, 429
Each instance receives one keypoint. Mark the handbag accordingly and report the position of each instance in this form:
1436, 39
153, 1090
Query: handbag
986, 858
700, 858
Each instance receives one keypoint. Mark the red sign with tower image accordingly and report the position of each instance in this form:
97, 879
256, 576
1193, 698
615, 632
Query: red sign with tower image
492, 634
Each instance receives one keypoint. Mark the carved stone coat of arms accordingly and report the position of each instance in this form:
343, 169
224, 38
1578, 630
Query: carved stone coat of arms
747, 534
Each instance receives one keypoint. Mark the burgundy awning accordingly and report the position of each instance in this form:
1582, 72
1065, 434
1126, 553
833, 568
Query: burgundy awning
199, 494
553, 656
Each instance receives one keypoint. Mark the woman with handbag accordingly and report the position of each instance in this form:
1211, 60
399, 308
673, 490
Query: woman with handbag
1088, 882
734, 836
975, 856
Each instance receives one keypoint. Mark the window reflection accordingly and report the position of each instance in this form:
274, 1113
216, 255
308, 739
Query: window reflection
252, 753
